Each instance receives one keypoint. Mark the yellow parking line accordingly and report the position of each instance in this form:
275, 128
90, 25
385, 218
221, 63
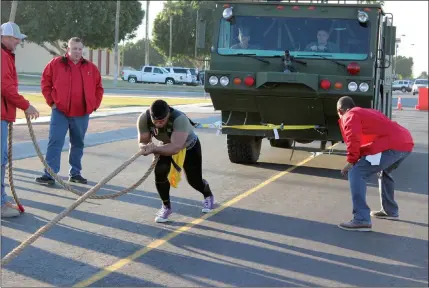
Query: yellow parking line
155, 244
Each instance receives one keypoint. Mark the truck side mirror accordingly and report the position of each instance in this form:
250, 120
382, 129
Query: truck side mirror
201, 32
390, 40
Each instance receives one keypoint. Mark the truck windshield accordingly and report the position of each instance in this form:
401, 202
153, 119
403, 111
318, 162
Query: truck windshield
336, 38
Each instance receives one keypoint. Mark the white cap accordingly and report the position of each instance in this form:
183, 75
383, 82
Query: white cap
11, 29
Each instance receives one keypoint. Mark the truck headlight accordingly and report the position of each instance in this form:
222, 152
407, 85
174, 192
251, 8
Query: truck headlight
362, 17
363, 87
352, 86
213, 80
227, 13
224, 81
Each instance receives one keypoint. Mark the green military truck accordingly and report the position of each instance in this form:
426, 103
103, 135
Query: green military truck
277, 69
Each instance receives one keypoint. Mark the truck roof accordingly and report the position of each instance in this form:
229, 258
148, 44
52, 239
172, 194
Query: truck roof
338, 4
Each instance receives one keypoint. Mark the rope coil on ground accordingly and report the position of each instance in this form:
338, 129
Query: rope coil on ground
80, 200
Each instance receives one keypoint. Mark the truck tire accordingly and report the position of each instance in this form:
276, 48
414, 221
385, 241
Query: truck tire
243, 149
169, 81
132, 79
281, 143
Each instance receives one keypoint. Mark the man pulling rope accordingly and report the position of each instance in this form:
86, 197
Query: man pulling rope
176, 131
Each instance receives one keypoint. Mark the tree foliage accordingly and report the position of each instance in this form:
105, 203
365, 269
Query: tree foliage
134, 55
58, 21
404, 67
184, 15
423, 75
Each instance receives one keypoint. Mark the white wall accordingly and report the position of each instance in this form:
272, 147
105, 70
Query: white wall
33, 58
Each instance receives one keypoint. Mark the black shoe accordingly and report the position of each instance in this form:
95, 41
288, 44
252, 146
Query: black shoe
45, 180
78, 179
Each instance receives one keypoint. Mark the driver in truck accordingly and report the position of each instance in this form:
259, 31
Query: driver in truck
322, 44
176, 131
244, 38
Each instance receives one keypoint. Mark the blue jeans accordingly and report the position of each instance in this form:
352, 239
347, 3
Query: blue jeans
59, 126
358, 176
3, 156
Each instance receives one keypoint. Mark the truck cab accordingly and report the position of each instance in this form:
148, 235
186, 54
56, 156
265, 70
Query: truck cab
286, 64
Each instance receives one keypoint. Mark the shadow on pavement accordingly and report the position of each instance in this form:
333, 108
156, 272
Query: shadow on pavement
410, 177
52, 268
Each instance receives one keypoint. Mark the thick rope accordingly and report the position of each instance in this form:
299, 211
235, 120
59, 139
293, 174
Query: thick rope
55, 176
9, 168
79, 201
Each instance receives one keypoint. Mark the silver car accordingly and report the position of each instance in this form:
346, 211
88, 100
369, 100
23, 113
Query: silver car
419, 83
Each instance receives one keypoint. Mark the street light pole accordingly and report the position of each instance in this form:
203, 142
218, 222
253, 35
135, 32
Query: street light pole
115, 74
147, 42
196, 34
13, 11
171, 39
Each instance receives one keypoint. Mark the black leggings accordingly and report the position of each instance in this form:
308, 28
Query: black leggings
193, 172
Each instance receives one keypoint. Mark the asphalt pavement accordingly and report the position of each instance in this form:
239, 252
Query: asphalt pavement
276, 223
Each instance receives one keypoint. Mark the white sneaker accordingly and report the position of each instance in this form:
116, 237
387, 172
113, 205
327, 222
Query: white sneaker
8, 212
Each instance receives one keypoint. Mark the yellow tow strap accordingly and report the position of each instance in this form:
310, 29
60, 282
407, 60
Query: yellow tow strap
271, 127
174, 176
261, 127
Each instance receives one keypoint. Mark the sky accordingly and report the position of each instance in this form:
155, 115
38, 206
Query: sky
410, 18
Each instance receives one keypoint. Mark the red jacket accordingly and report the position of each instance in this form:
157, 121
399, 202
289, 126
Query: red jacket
368, 132
57, 84
10, 98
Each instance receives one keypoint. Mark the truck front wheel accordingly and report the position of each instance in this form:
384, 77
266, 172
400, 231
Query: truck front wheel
244, 149
169, 81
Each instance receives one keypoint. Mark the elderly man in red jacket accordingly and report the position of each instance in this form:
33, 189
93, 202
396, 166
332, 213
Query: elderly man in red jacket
73, 89
375, 144
11, 36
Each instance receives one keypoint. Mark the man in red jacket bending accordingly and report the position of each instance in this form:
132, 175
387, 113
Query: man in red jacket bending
72, 87
375, 144
11, 36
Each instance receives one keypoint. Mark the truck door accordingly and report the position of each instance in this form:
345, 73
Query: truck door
147, 74
385, 74
158, 75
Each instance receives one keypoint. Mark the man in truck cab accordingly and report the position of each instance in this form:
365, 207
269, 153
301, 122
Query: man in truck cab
244, 38
322, 44
176, 131
375, 144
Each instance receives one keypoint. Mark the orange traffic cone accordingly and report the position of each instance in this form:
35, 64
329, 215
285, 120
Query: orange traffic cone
399, 105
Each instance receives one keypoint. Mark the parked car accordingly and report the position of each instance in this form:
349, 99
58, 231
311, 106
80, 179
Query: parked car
201, 75
419, 83
126, 68
184, 76
150, 74
402, 85
194, 73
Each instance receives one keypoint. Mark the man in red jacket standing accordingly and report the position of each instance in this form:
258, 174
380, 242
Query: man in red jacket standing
73, 89
375, 144
11, 36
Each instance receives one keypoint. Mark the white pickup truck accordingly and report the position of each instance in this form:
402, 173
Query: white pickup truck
150, 74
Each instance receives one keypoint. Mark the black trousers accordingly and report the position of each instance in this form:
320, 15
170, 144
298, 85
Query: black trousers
192, 167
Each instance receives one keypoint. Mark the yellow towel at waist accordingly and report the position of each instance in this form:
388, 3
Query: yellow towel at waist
176, 168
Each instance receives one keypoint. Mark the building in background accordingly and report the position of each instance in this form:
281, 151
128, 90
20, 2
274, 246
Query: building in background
32, 58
